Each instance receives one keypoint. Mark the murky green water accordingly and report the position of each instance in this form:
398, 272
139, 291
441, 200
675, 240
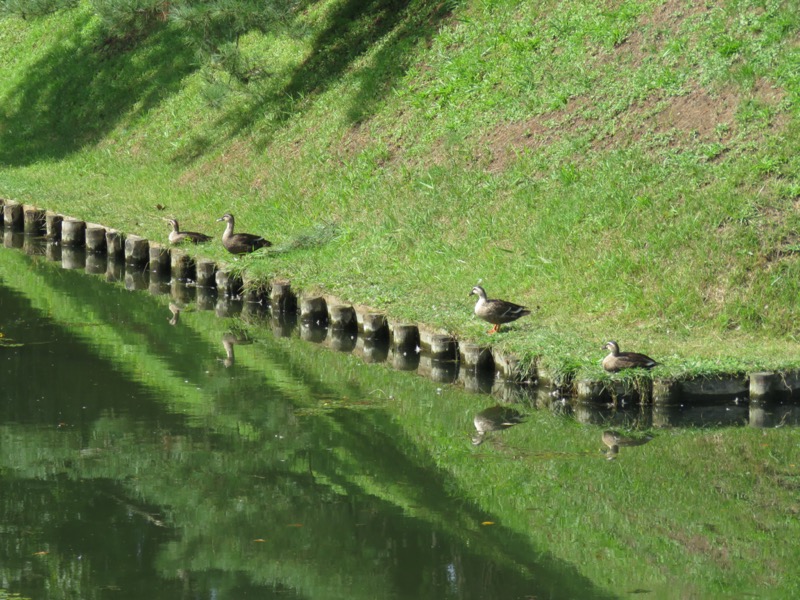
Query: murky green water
147, 452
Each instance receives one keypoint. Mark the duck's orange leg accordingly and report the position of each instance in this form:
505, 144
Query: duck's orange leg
494, 329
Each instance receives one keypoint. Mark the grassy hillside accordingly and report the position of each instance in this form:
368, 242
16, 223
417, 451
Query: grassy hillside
631, 169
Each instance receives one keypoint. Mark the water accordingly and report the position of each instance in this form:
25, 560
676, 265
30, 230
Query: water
150, 449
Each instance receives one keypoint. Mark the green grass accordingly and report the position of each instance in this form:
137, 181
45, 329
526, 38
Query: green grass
631, 171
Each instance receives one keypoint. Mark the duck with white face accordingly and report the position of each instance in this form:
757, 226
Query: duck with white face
496, 312
240, 243
617, 361
176, 236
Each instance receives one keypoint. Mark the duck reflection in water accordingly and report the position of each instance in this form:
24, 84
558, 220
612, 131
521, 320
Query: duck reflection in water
229, 340
494, 418
176, 314
613, 440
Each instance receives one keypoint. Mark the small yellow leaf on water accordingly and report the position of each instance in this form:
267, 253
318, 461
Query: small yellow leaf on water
488, 523
295, 524
42, 553
259, 540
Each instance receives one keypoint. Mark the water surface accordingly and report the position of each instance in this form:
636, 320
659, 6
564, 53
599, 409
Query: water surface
151, 446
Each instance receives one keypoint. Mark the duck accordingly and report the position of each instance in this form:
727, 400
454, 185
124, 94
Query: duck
176, 236
616, 360
496, 312
494, 418
614, 439
240, 243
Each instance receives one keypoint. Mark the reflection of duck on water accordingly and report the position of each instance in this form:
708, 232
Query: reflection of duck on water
176, 313
229, 340
494, 418
614, 439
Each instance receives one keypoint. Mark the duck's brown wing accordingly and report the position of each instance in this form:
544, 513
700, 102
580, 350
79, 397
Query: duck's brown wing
634, 359
197, 237
502, 311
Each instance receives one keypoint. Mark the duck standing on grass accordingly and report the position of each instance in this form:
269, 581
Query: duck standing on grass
616, 360
240, 243
176, 236
496, 312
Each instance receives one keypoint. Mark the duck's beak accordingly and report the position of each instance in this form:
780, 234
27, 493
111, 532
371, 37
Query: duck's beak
221, 219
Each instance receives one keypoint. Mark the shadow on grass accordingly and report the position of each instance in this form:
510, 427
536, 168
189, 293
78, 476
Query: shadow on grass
83, 87
353, 29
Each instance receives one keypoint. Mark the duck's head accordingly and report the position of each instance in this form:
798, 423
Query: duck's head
478, 290
173, 223
612, 347
227, 217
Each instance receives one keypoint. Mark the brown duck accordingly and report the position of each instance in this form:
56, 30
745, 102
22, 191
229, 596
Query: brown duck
616, 360
240, 243
176, 236
496, 312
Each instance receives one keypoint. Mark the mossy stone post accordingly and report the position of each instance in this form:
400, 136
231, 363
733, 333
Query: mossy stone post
763, 385
13, 218
665, 391
589, 390
440, 346
405, 337
373, 325
281, 297
115, 244
73, 233
52, 223
159, 260
206, 273
228, 284
476, 357
342, 316
405, 348
182, 265
644, 389
255, 295
34, 221
509, 367
95, 239
2, 204
314, 310
137, 251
